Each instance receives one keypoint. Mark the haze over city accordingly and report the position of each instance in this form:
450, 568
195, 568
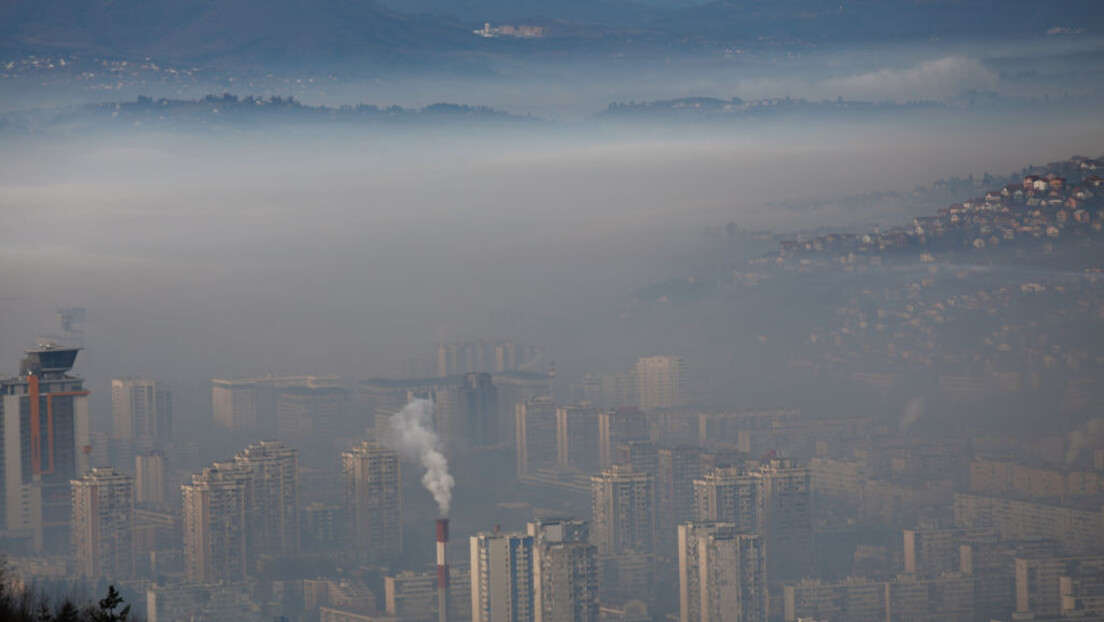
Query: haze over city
688, 310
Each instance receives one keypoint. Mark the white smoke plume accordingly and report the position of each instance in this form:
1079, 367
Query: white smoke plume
413, 437
1089, 437
914, 412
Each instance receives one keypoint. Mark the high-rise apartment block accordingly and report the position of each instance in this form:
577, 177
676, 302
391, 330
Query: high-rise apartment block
141, 410
623, 503
323, 526
677, 468
947, 598
466, 412
214, 524
502, 588
993, 566
641, 456
617, 427
774, 501
516, 387
157, 540
624, 511
467, 409
1039, 583
234, 404
610, 391
660, 382
377, 399
550, 435
46, 445
996, 477
311, 413
412, 596
249, 405
537, 444
785, 518
477, 412
728, 495
103, 524
577, 437
272, 511
932, 551
722, 574
689, 567
490, 356
565, 571
238, 510
1076, 528
839, 481
150, 482
373, 500
187, 602
854, 600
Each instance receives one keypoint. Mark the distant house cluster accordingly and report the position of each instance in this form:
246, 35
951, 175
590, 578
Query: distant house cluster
518, 32
1046, 204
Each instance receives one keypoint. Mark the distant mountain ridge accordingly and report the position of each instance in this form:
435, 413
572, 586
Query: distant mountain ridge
814, 20
710, 109
258, 33
231, 32
228, 112
614, 13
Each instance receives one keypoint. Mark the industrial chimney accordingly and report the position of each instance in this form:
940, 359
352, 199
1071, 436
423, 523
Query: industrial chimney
442, 570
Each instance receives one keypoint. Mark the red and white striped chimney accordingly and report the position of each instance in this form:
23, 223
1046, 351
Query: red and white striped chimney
442, 570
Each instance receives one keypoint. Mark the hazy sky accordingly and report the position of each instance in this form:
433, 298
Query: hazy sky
306, 251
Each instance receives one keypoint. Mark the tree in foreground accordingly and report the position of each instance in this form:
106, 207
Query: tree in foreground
109, 608
20, 604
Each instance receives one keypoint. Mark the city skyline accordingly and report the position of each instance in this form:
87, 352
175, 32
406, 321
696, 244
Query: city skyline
565, 311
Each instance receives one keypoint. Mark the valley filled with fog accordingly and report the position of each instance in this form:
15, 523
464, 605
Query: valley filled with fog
202, 252
696, 310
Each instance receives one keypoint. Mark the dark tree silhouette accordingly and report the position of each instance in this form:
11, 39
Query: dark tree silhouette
67, 612
20, 604
108, 606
